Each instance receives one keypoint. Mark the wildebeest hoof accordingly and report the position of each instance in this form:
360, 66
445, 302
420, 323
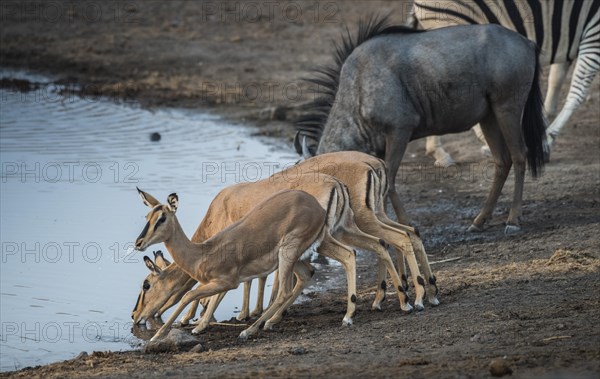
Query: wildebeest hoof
512, 229
474, 229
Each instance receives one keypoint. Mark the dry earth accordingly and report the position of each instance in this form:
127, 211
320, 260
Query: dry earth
531, 298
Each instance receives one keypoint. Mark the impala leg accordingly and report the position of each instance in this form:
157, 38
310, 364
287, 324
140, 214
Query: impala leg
401, 262
275, 288
245, 311
209, 312
190, 313
304, 272
208, 289
332, 248
258, 309
502, 161
371, 224
404, 249
431, 281
285, 268
381, 286
362, 240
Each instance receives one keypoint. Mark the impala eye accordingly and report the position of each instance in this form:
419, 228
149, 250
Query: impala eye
146, 286
160, 221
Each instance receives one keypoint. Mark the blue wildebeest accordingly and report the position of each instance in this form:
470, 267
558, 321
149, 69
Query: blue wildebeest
392, 84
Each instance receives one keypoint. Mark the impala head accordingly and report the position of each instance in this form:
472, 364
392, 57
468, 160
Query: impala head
164, 286
145, 306
160, 221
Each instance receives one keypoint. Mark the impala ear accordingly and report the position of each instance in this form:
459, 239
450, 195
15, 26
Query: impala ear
148, 199
173, 202
160, 260
151, 266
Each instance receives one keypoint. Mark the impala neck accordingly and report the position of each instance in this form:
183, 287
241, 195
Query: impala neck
184, 252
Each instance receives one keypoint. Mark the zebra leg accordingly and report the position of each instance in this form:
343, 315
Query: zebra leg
586, 68
433, 147
485, 149
556, 78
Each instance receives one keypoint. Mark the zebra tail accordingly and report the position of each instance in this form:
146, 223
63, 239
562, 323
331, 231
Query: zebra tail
534, 125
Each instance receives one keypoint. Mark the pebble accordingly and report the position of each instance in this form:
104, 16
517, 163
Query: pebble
500, 367
155, 137
297, 351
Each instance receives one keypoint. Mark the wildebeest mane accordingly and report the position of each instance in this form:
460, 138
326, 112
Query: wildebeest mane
327, 78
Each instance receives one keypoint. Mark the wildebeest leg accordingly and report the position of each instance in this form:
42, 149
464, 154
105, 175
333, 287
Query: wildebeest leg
511, 130
394, 151
501, 155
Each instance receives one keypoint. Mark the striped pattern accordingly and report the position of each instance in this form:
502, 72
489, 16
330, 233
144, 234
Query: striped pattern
564, 30
560, 27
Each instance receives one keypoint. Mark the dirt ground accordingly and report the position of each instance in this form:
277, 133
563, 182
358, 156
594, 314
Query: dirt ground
532, 299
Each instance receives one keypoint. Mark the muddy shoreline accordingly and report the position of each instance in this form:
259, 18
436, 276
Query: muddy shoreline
531, 299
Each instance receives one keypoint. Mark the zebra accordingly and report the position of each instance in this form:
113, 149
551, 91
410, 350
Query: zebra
564, 30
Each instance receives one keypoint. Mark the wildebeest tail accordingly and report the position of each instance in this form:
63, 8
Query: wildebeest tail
534, 125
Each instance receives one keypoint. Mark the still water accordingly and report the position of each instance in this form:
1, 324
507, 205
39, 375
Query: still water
70, 211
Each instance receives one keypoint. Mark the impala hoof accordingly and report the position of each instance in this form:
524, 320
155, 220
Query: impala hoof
512, 229
474, 229
244, 335
376, 307
419, 307
407, 308
347, 321
434, 301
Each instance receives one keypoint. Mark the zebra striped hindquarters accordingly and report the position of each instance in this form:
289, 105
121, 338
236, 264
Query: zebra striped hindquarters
564, 31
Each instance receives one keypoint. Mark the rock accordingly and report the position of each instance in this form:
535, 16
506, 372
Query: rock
82, 355
197, 349
177, 340
297, 351
500, 367
155, 137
